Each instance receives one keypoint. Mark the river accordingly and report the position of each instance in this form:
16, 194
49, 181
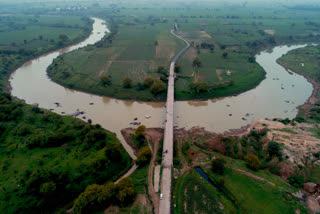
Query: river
278, 95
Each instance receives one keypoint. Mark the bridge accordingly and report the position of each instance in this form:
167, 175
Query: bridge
167, 154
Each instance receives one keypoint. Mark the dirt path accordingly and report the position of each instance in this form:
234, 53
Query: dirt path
153, 135
253, 176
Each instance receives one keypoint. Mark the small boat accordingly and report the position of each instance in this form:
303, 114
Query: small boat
147, 116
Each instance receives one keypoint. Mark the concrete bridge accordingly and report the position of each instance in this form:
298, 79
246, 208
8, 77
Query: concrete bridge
167, 154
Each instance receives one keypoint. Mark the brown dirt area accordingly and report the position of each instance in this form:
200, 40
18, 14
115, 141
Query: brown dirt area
270, 32
219, 72
204, 34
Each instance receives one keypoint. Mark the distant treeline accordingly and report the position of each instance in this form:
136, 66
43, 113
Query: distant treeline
305, 7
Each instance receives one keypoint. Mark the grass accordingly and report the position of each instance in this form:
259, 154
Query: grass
140, 179
254, 196
303, 61
23, 37
193, 194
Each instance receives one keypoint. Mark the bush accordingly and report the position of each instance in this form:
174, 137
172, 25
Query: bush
126, 82
177, 67
252, 161
196, 62
105, 79
148, 81
48, 188
140, 131
275, 170
125, 191
144, 156
200, 86
113, 152
296, 180
274, 149
158, 87
218, 165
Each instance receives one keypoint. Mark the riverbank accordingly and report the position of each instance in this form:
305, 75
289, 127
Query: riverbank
304, 61
14, 57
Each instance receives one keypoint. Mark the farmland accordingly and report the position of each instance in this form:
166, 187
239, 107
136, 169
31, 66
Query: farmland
224, 39
23, 37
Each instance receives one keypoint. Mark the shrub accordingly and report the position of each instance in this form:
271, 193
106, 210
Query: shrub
198, 87
140, 131
144, 156
196, 62
48, 188
177, 67
218, 165
274, 149
225, 54
252, 161
113, 152
148, 81
126, 82
105, 79
125, 191
158, 87
296, 180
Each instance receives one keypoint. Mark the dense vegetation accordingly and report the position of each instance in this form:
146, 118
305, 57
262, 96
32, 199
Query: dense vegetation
47, 160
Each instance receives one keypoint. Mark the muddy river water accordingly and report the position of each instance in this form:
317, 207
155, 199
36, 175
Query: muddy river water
276, 96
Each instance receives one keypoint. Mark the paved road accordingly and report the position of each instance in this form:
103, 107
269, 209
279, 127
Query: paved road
167, 153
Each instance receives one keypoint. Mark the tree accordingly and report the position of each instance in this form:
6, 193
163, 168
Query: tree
163, 78
158, 87
177, 67
40, 37
162, 70
126, 82
252, 161
105, 79
125, 191
198, 87
63, 37
196, 62
274, 149
252, 59
148, 81
144, 156
218, 165
140, 131
87, 200
94, 136
113, 151
225, 54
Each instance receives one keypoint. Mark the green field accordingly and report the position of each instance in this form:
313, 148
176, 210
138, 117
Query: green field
23, 37
306, 61
141, 41
193, 194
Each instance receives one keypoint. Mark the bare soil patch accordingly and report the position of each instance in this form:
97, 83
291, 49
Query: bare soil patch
219, 72
270, 32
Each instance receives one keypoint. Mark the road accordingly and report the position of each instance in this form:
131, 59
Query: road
167, 154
